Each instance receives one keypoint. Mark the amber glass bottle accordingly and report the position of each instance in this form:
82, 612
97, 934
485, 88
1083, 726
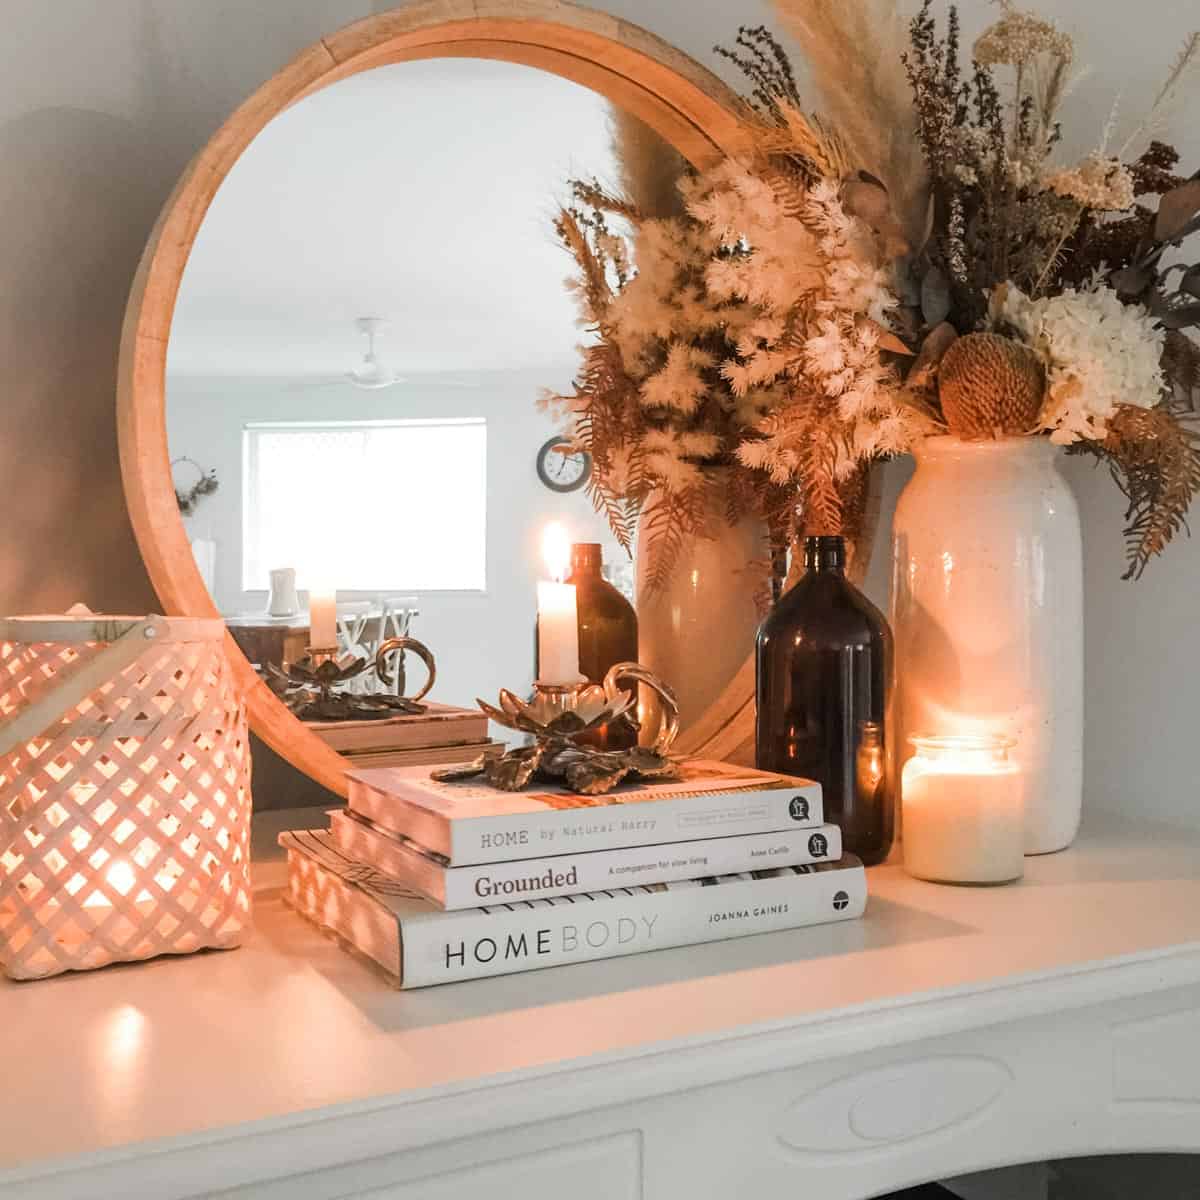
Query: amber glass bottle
608, 629
825, 663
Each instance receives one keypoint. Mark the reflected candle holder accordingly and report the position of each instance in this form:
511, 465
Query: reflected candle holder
963, 809
310, 687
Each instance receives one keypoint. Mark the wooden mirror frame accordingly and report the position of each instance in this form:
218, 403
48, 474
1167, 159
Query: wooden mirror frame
681, 100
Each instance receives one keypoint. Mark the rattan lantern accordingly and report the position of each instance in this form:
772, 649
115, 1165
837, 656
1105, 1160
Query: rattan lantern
124, 792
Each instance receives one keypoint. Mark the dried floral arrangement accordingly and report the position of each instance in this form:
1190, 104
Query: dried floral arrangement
1035, 296
740, 317
205, 485
916, 262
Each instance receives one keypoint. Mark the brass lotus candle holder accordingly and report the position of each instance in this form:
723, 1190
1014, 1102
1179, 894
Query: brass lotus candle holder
309, 687
557, 718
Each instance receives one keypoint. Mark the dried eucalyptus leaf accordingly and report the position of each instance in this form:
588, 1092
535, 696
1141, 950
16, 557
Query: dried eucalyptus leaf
927, 232
935, 297
1176, 210
906, 283
1132, 281
1181, 318
889, 341
936, 343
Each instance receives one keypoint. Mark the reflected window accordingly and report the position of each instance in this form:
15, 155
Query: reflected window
367, 505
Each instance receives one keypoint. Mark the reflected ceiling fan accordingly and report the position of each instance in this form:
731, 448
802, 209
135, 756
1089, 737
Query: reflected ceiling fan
372, 373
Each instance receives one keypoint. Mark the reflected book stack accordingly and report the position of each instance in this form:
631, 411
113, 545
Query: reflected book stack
437, 882
441, 734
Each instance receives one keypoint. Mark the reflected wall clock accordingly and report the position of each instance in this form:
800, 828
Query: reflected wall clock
562, 468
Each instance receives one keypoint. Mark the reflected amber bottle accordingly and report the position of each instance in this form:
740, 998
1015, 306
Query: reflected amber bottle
824, 689
608, 630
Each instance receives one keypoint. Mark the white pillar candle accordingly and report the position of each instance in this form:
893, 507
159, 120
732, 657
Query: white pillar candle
322, 619
963, 811
558, 614
558, 634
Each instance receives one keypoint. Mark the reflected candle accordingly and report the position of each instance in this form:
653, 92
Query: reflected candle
322, 619
963, 810
557, 612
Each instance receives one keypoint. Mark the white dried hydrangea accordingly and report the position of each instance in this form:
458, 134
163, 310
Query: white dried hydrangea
1098, 353
1018, 38
1099, 183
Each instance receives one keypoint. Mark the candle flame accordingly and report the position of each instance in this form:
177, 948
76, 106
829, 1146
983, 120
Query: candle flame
556, 550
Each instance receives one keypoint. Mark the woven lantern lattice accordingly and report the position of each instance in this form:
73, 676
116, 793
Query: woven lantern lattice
124, 792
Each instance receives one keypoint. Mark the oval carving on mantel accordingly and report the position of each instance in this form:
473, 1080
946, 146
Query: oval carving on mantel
886, 1106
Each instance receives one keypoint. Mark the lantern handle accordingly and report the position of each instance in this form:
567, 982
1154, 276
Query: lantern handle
71, 688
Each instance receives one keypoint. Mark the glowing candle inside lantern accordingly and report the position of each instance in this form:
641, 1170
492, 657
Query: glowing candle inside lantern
107, 871
963, 810
322, 618
558, 620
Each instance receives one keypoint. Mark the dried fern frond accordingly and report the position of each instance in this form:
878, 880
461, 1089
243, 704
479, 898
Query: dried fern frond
648, 168
596, 290
851, 50
669, 520
823, 510
1154, 457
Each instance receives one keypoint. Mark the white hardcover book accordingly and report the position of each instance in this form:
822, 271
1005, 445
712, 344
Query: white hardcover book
468, 823
564, 874
419, 944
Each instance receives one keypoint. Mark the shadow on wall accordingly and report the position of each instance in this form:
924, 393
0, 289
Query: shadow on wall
74, 211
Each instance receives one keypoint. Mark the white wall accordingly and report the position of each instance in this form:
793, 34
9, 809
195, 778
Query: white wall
101, 105
482, 641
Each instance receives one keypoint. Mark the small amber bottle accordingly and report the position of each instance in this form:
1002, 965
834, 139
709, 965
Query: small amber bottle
825, 698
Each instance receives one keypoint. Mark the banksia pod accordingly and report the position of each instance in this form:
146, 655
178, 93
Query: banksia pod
990, 386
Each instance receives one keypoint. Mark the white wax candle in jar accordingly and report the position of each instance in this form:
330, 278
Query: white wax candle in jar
963, 809
558, 614
322, 618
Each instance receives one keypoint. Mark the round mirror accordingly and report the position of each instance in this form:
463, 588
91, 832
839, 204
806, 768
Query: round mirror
336, 345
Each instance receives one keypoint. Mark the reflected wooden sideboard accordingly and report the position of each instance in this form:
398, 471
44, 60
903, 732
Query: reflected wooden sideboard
950, 1031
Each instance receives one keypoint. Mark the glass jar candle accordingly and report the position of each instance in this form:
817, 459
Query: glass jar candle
963, 810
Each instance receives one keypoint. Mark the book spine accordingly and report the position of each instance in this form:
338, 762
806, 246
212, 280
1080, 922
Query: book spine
615, 826
445, 947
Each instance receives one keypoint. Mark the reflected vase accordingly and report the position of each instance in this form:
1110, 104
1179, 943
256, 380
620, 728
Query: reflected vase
697, 631
987, 612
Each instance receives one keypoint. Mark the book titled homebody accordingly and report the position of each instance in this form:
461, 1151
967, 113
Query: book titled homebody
470, 823
419, 944
589, 871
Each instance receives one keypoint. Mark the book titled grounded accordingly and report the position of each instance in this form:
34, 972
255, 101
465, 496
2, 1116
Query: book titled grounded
468, 823
588, 871
419, 944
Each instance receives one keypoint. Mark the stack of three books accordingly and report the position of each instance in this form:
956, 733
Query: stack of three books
438, 882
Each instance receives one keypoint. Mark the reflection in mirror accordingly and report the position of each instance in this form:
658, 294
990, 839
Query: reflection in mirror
373, 305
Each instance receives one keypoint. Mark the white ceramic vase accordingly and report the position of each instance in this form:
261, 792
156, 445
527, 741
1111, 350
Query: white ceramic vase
282, 600
696, 632
987, 611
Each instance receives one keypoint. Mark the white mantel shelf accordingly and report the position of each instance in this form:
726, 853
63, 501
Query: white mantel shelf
950, 1030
